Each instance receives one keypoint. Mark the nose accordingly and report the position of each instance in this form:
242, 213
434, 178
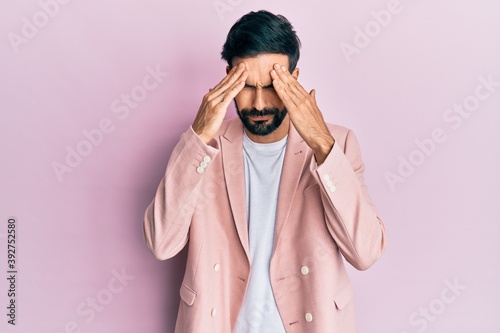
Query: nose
258, 99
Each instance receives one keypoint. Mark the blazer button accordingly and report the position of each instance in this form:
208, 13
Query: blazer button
217, 267
206, 159
309, 317
213, 312
304, 270
200, 170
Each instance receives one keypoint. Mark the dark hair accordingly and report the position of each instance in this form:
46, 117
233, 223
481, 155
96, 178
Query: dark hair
262, 32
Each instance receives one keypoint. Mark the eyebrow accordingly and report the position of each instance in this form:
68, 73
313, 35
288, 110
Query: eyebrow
263, 87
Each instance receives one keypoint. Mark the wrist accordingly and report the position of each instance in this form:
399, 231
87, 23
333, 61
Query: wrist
200, 135
322, 150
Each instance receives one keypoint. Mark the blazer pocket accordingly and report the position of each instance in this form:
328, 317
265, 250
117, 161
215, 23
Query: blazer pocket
311, 189
187, 294
344, 297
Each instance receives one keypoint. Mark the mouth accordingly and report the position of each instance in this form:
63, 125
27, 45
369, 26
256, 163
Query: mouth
259, 118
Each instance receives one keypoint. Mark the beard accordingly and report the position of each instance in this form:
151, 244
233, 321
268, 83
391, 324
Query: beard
261, 128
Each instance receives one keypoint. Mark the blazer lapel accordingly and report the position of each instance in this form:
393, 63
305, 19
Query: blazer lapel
234, 174
295, 156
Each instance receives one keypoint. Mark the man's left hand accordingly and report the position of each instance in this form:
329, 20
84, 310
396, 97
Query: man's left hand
304, 112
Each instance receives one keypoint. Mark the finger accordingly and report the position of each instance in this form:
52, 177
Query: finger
283, 94
293, 89
291, 93
232, 91
289, 81
217, 93
313, 94
228, 81
231, 72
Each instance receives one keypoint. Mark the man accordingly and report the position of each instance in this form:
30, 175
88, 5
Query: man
269, 202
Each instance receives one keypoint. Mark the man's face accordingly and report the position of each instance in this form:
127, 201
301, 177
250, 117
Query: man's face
258, 105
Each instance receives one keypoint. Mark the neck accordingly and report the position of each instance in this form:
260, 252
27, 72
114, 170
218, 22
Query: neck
277, 135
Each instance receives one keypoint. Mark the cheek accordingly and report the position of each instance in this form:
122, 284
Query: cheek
272, 98
243, 99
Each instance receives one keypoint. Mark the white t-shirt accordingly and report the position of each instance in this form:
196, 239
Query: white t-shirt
263, 165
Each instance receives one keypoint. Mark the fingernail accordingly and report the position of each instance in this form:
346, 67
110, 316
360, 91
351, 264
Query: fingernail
277, 66
283, 68
273, 72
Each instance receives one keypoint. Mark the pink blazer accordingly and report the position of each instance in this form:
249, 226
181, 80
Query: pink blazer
324, 216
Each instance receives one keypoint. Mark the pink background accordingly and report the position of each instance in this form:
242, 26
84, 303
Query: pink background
442, 221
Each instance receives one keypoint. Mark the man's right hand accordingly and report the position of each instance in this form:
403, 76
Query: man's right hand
215, 103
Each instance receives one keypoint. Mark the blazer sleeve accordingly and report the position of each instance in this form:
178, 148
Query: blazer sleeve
168, 217
351, 217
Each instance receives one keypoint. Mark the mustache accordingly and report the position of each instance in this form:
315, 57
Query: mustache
253, 112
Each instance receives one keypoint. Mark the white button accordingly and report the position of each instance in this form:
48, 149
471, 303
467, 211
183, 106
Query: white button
200, 170
217, 267
329, 183
309, 317
326, 177
203, 164
206, 159
304, 270
213, 312
332, 188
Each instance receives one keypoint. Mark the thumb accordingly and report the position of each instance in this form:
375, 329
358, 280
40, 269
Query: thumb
313, 93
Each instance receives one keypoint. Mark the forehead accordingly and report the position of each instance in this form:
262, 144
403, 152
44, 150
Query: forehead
259, 67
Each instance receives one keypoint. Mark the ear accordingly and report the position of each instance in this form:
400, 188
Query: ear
227, 69
296, 73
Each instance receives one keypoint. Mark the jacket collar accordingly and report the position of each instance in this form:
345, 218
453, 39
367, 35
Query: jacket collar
234, 173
